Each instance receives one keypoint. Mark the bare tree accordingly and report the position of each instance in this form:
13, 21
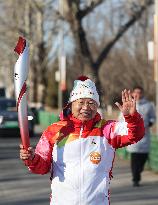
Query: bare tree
39, 22
29, 19
74, 13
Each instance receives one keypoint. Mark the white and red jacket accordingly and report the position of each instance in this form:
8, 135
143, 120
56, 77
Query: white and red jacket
80, 157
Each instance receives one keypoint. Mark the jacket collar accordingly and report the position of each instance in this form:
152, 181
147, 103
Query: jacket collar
87, 125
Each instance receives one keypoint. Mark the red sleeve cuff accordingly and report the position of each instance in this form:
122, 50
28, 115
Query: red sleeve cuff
134, 117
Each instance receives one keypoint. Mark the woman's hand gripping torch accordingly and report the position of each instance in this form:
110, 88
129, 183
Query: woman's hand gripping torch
20, 76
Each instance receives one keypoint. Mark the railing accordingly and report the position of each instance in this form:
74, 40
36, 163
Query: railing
153, 159
47, 118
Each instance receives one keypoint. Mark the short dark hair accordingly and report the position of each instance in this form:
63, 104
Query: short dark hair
138, 87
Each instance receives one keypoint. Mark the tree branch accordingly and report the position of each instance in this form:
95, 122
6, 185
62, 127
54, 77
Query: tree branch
84, 45
137, 15
90, 8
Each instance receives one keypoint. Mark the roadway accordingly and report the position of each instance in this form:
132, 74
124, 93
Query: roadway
18, 186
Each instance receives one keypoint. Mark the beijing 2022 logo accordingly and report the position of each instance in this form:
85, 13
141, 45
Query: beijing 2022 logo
95, 157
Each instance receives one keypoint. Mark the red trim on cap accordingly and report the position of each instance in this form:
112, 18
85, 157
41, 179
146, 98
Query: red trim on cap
20, 45
82, 78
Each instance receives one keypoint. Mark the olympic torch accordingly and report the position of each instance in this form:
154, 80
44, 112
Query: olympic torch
20, 76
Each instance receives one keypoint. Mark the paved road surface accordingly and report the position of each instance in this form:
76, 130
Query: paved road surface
122, 191
19, 187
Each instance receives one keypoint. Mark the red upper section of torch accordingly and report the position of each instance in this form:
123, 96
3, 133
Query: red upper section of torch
20, 45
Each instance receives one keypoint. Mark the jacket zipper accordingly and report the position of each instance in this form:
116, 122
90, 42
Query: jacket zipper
81, 176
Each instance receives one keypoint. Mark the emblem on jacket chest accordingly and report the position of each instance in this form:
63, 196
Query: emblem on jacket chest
93, 142
95, 157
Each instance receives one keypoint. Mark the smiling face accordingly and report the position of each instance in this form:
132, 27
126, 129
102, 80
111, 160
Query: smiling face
84, 109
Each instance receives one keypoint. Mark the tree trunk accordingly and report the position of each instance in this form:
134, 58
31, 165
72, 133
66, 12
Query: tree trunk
34, 81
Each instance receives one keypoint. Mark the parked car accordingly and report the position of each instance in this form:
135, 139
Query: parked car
2, 92
9, 118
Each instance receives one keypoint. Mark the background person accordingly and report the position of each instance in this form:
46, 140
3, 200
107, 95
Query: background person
140, 151
79, 150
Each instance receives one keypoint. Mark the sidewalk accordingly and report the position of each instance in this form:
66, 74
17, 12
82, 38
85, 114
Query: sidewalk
122, 191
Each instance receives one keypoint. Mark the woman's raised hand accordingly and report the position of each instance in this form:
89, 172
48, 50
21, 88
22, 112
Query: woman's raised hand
128, 106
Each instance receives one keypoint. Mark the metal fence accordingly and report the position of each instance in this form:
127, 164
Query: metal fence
47, 118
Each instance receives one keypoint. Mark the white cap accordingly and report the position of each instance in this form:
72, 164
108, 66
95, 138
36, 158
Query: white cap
84, 88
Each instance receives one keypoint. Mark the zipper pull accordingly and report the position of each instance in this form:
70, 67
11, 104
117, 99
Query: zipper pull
81, 130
